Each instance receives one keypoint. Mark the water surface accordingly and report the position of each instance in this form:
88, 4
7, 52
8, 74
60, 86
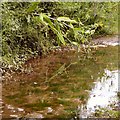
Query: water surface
58, 85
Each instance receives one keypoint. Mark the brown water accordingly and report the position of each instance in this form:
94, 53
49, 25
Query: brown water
62, 84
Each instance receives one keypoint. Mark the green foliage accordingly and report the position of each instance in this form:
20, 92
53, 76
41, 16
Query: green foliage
104, 13
30, 29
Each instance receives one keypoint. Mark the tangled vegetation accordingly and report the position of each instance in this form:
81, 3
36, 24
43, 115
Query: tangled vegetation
33, 28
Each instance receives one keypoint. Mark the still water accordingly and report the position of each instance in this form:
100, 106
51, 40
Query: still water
63, 85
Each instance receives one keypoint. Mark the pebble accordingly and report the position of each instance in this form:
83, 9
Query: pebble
35, 83
49, 110
20, 109
35, 115
10, 107
14, 116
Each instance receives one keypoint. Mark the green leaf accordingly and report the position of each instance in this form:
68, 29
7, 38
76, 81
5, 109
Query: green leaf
60, 36
44, 18
75, 43
32, 6
28, 19
66, 19
47, 19
57, 26
41, 16
71, 25
87, 32
76, 30
92, 32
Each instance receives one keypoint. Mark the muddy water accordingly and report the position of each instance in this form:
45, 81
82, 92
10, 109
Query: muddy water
62, 85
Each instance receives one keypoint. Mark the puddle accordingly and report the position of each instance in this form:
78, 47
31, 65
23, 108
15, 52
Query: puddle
60, 83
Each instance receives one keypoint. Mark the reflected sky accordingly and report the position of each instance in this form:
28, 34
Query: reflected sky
103, 94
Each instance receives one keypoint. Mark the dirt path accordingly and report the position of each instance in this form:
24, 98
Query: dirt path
107, 40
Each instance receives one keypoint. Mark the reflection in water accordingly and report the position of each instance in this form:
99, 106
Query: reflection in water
60, 83
103, 94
